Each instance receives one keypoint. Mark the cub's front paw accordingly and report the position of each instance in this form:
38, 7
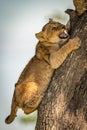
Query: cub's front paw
75, 42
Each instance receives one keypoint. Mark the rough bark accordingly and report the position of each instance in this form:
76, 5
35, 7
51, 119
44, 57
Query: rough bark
64, 106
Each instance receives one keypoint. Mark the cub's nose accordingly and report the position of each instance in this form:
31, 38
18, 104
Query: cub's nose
64, 35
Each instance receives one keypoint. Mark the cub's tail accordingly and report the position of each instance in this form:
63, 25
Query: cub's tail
14, 109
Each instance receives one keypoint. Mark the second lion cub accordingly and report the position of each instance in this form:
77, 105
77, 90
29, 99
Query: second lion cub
50, 54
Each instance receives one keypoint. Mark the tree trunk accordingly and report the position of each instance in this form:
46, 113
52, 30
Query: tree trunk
64, 106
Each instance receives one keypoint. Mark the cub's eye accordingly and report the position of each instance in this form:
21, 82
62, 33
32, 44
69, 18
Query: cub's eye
54, 28
63, 27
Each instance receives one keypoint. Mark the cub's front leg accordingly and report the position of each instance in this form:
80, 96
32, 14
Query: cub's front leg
58, 57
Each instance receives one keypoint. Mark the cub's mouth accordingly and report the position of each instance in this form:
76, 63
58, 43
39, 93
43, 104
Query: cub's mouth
64, 35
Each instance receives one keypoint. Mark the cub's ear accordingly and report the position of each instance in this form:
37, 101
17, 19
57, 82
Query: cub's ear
40, 36
50, 20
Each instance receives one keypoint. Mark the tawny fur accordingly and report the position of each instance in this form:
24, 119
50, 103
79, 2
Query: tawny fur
34, 80
81, 6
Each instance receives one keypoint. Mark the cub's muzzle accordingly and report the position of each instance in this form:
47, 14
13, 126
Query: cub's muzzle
64, 35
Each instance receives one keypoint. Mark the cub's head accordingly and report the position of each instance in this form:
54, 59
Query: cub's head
53, 33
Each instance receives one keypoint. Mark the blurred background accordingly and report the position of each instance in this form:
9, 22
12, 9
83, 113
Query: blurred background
19, 21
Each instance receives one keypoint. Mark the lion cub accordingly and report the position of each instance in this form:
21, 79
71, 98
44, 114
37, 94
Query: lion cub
51, 51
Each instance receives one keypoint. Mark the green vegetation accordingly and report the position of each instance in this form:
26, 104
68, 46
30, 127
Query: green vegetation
28, 119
